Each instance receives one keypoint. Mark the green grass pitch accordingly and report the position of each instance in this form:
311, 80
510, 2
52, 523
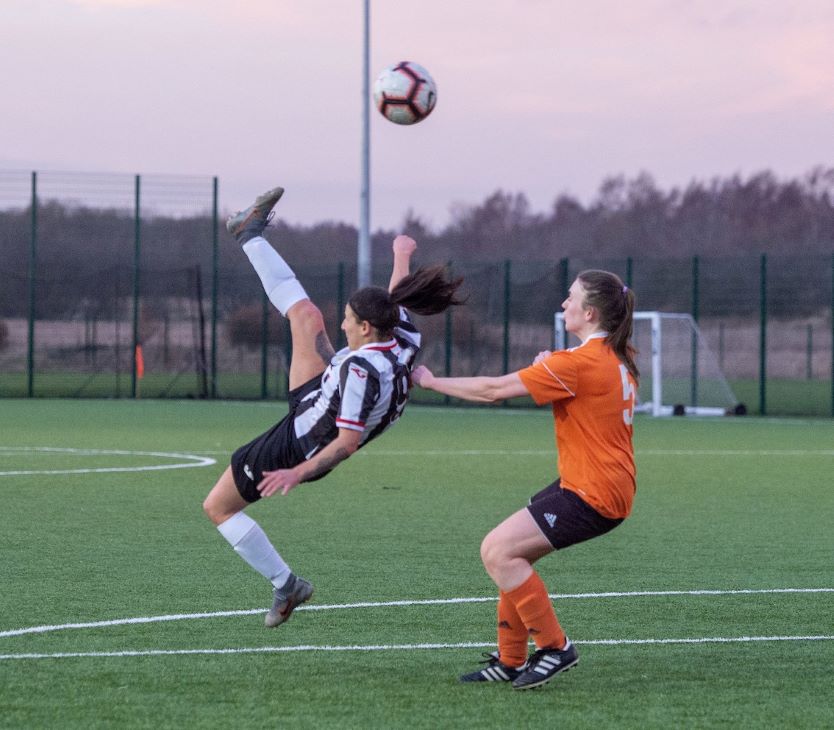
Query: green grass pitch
682, 616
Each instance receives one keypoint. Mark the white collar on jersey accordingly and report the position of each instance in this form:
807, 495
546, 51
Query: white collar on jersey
379, 345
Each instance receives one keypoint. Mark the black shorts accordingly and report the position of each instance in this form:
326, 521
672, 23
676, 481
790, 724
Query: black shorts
565, 518
277, 448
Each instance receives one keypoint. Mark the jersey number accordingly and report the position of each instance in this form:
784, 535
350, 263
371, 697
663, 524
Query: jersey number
628, 395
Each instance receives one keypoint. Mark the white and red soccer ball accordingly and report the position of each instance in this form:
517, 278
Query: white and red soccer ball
405, 93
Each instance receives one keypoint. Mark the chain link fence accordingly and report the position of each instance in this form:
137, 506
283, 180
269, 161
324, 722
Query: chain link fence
125, 286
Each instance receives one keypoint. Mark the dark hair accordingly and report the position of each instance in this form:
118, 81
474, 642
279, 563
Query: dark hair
426, 291
614, 302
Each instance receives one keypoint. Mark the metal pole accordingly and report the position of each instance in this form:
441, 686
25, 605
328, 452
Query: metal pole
363, 257
763, 335
507, 278
657, 364
340, 303
693, 383
215, 279
447, 370
136, 259
264, 344
564, 284
33, 247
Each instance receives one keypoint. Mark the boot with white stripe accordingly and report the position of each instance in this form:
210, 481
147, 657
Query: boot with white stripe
495, 671
545, 664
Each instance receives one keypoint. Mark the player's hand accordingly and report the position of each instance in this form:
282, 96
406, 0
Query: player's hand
404, 245
421, 376
280, 479
543, 355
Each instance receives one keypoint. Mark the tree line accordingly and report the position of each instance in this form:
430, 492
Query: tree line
627, 218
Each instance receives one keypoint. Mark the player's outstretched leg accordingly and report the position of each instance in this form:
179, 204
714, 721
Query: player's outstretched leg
293, 593
311, 349
250, 223
278, 279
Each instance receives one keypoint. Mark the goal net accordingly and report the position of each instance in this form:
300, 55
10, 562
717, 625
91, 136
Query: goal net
679, 374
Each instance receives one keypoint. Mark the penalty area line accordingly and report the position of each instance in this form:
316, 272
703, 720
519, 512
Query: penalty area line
393, 604
395, 647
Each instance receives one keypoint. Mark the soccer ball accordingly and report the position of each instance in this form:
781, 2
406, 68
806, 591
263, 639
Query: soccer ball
405, 93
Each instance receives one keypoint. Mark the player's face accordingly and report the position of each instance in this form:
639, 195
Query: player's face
576, 313
353, 329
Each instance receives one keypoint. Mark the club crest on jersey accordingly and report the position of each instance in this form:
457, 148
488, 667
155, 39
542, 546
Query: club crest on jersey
359, 372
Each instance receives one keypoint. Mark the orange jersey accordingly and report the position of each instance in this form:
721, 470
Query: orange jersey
593, 395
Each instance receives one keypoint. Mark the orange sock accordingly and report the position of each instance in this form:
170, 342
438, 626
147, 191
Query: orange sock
536, 611
512, 633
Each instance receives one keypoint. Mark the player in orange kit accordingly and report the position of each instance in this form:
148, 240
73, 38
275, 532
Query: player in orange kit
592, 389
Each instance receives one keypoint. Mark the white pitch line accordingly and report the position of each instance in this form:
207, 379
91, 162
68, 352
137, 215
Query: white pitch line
638, 452
397, 647
192, 460
389, 604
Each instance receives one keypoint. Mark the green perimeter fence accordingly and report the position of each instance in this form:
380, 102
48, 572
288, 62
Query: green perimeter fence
126, 287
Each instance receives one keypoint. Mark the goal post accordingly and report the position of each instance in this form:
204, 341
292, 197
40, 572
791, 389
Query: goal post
679, 374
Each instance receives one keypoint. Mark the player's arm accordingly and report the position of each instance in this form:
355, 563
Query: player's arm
283, 480
404, 247
481, 389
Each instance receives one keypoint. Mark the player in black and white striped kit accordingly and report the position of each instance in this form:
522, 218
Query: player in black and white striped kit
338, 402
366, 389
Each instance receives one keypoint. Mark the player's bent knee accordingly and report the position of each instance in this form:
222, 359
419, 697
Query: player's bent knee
209, 509
490, 552
306, 314
215, 508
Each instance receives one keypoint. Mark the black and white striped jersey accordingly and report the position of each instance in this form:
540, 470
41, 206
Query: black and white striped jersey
364, 390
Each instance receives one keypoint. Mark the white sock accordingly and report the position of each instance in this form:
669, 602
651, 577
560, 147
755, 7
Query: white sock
278, 279
251, 543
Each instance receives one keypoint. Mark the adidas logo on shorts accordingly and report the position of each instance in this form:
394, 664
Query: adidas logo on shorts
551, 518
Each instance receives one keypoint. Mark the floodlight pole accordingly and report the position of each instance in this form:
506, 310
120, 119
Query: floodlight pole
363, 254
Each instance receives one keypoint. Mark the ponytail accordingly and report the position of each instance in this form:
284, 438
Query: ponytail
615, 303
426, 291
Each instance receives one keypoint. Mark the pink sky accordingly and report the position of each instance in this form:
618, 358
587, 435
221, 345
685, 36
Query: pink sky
535, 96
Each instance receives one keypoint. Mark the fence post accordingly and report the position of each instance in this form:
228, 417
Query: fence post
696, 302
505, 363
340, 305
117, 318
447, 370
629, 271
202, 364
564, 284
763, 335
33, 247
215, 281
264, 342
832, 334
809, 352
136, 258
